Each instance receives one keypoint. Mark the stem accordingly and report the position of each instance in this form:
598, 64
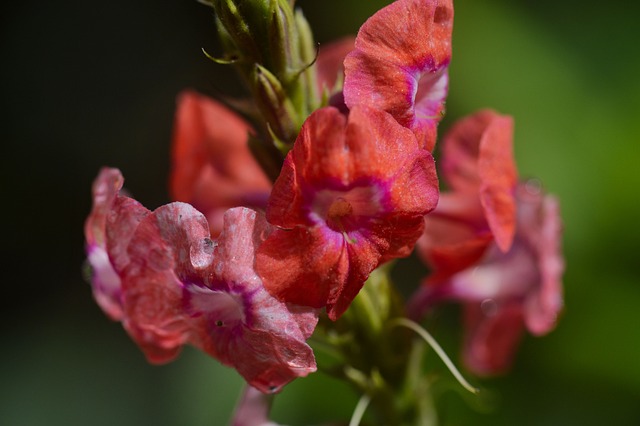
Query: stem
437, 349
361, 407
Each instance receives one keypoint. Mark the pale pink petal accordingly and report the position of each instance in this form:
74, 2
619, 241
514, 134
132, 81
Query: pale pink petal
266, 340
253, 409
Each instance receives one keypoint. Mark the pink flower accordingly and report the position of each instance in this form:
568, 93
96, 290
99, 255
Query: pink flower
212, 166
177, 286
508, 292
493, 245
351, 194
400, 63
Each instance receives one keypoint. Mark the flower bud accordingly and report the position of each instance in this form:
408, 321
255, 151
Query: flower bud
275, 105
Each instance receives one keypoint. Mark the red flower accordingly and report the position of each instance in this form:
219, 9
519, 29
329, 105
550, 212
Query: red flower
400, 62
212, 166
351, 194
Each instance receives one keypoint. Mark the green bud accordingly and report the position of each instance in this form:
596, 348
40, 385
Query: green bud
275, 105
235, 27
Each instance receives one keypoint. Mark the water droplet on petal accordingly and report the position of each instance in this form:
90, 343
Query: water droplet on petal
489, 307
533, 186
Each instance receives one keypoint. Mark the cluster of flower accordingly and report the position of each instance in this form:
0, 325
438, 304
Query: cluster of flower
244, 269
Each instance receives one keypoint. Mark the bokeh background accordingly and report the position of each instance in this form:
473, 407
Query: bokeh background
86, 84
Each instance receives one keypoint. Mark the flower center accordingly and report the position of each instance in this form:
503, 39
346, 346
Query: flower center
221, 308
339, 209
346, 210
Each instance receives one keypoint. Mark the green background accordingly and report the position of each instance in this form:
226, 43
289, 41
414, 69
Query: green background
86, 84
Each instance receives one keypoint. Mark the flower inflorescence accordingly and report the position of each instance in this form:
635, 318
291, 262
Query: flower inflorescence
289, 215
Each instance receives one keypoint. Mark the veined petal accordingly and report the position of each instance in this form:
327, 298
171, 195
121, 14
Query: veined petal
399, 64
302, 265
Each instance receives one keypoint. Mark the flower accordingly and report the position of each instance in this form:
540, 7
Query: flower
212, 166
177, 287
493, 245
352, 193
400, 63
507, 292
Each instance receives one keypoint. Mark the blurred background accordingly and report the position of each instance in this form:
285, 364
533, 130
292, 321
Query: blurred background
87, 84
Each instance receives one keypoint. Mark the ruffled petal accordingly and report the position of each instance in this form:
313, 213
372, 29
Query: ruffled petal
108, 230
161, 263
268, 346
399, 64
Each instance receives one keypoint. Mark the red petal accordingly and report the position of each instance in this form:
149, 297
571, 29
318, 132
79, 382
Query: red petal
477, 158
400, 50
302, 266
212, 166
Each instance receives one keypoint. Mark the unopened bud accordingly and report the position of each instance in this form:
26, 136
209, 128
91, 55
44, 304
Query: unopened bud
276, 106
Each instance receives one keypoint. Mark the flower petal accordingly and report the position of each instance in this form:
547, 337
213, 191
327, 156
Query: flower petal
108, 230
478, 159
399, 64
491, 338
160, 265
212, 166
268, 348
